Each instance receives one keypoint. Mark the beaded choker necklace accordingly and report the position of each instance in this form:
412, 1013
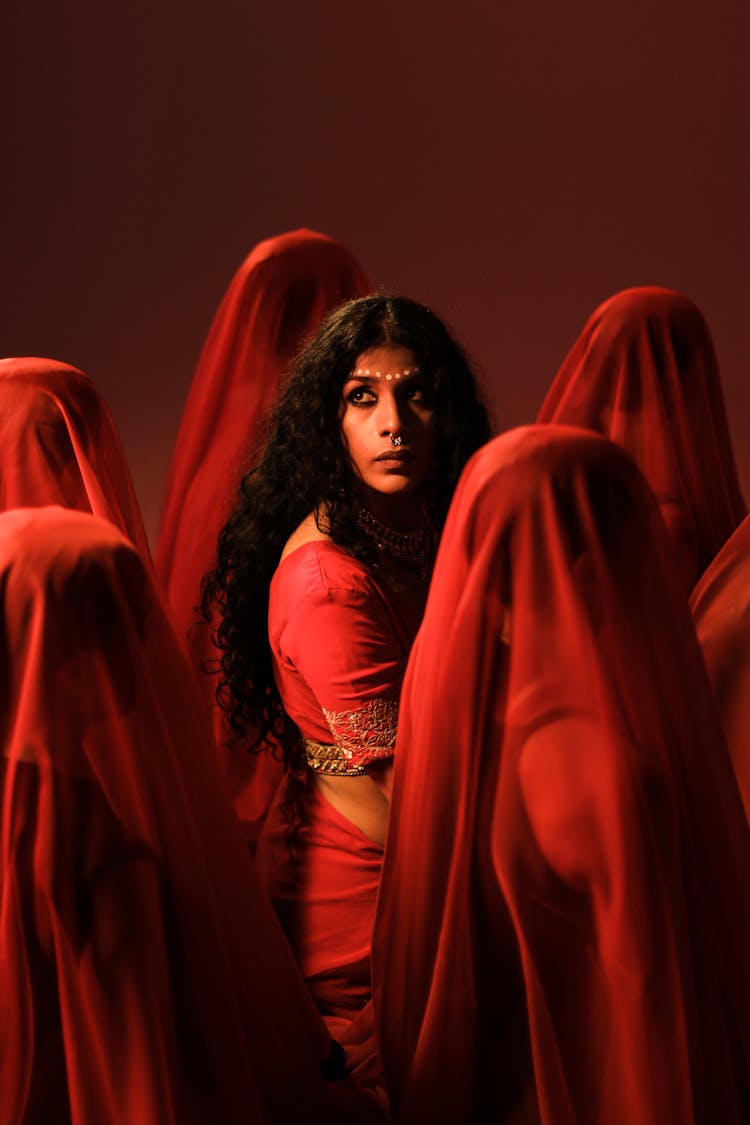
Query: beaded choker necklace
403, 546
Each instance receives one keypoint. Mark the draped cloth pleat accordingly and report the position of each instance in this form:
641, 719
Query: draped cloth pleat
563, 922
144, 977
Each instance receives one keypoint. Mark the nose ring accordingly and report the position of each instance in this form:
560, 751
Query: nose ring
396, 440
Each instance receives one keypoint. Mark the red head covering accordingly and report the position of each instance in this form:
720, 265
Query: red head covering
643, 372
59, 445
564, 913
143, 975
279, 296
721, 611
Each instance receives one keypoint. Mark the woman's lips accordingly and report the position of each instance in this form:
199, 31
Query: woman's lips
400, 455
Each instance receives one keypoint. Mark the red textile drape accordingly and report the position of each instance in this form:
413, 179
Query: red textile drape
721, 611
276, 300
564, 913
643, 372
324, 883
144, 977
340, 638
59, 445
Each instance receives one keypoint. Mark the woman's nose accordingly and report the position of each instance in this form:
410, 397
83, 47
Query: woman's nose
390, 416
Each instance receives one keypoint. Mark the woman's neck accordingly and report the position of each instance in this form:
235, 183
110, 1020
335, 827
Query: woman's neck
401, 512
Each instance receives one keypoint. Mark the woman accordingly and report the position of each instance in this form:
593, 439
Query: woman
143, 976
277, 299
721, 611
564, 912
59, 445
643, 372
321, 580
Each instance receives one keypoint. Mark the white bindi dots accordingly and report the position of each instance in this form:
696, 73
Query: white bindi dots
364, 372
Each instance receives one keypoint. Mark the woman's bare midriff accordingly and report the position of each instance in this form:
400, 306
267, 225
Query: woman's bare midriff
364, 800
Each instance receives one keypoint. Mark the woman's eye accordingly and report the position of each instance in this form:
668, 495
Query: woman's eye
419, 394
360, 396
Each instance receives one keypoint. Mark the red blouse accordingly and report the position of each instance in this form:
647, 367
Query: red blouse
340, 640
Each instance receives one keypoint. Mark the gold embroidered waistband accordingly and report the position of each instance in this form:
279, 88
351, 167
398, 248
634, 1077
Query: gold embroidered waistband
323, 758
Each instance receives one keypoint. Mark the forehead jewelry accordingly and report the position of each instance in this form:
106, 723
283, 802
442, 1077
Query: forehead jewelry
388, 375
397, 440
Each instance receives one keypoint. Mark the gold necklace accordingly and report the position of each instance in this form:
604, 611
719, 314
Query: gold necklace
405, 546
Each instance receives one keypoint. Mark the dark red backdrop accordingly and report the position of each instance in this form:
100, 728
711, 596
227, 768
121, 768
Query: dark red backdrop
511, 164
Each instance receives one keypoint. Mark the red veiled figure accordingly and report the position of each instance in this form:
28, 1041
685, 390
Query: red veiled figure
143, 975
278, 297
563, 923
721, 611
643, 372
59, 445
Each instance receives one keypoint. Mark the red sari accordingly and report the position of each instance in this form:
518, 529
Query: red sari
340, 640
643, 372
721, 611
143, 977
564, 914
59, 445
279, 296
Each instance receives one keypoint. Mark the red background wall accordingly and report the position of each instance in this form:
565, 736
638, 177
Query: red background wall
511, 164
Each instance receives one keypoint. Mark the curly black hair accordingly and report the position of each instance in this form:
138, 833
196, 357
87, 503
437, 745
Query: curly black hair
302, 467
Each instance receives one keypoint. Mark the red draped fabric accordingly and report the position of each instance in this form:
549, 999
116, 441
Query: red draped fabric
643, 372
59, 445
277, 299
721, 611
340, 640
144, 977
564, 912
324, 883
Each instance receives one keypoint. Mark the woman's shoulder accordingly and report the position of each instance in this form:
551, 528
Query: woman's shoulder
307, 532
320, 591
312, 563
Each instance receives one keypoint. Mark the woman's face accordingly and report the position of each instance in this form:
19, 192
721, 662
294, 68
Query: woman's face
387, 421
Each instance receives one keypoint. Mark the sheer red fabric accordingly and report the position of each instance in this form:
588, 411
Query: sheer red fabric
59, 445
643, 372
563, 920
721, 611
277, 299
144, 977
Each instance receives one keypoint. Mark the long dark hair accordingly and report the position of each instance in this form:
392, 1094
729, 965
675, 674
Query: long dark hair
303, 468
